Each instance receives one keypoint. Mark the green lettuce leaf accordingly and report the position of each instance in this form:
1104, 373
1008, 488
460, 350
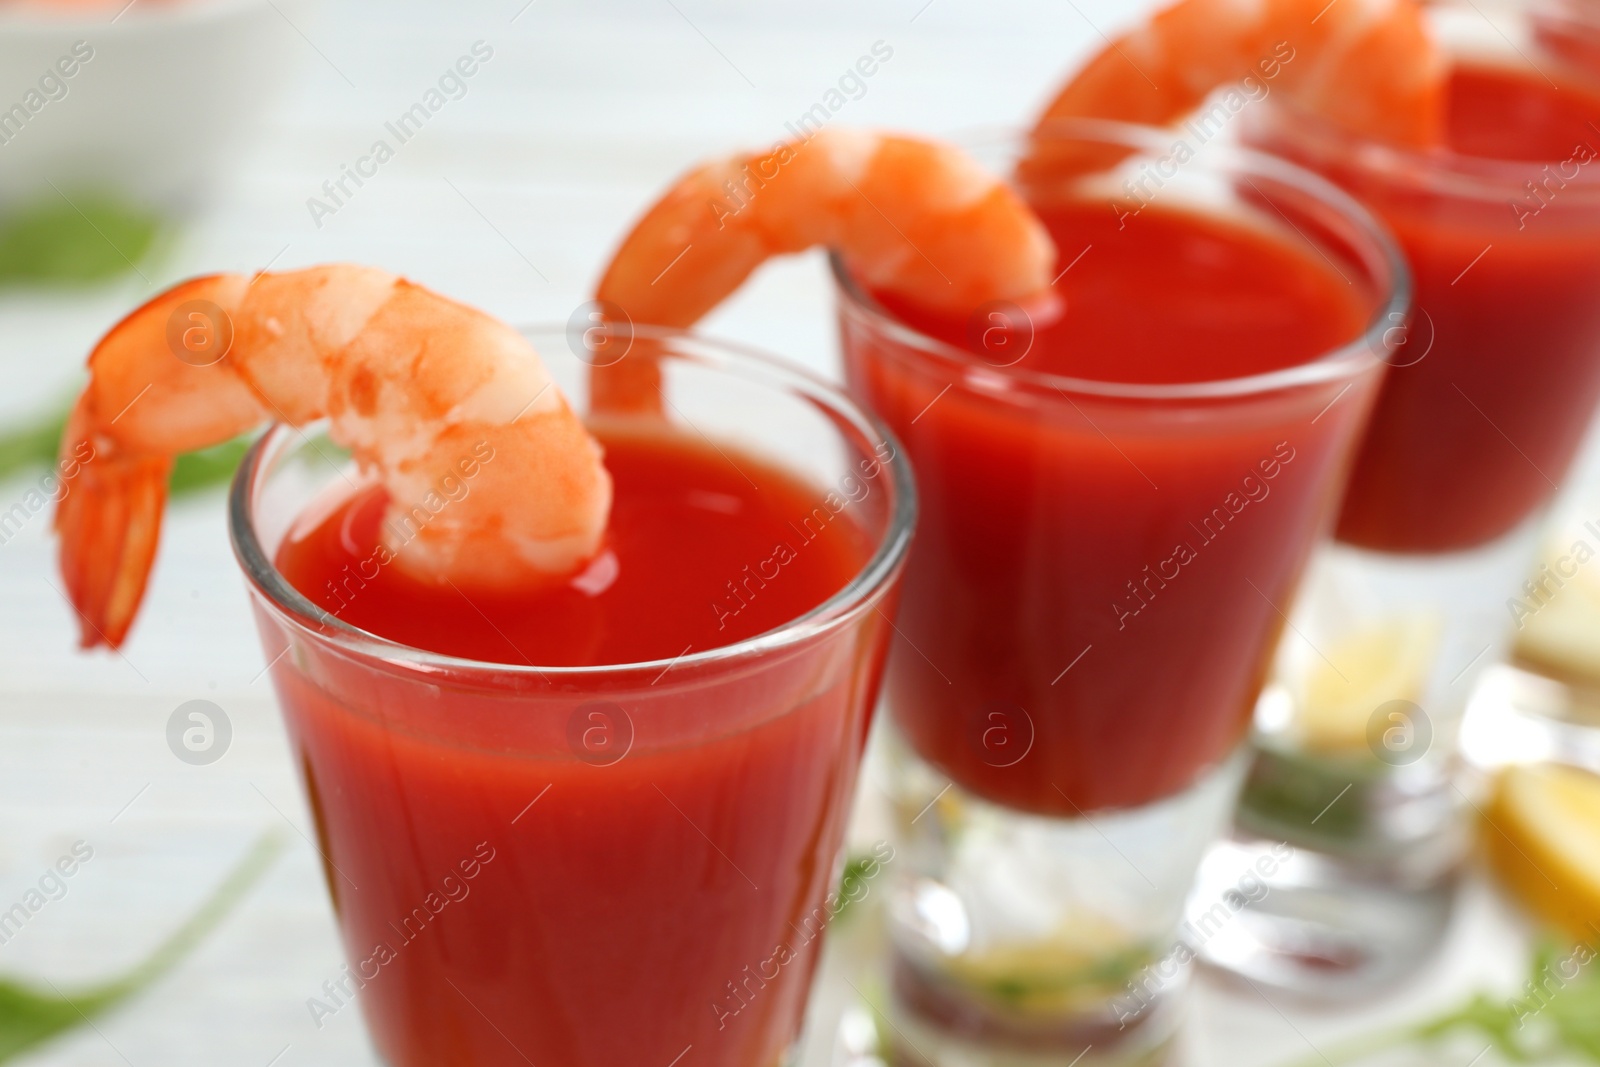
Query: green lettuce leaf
30, 1016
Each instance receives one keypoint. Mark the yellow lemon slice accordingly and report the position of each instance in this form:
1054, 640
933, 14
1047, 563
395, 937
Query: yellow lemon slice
1389, 660
1543, 837
1558, 617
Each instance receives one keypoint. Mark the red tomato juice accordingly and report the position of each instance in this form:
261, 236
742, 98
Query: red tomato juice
1472, 439
1094, 589
639, 879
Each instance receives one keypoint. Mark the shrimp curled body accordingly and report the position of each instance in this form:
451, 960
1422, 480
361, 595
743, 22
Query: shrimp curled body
1368, 65
422, 390
914, 217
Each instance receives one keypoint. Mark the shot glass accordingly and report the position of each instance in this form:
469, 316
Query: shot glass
1479, 419
602, 866
1101, 572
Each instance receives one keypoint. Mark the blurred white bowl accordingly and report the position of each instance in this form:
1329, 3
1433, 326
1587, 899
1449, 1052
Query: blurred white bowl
168, 96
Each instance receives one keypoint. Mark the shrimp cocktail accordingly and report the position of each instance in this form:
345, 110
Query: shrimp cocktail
1471, 129
577, 697
1129, 422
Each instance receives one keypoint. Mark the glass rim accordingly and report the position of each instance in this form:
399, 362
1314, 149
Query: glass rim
772, 371
1439, 170
1434, 170
1345, 361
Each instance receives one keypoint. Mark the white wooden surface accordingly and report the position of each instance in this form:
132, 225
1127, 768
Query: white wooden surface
509, 198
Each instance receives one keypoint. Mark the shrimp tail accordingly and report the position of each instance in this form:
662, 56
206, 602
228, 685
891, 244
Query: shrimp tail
633, 386
423, 391
109, 522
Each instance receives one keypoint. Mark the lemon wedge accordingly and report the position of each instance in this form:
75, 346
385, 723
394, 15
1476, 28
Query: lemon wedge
1543, 838
1558, 627
1389, 660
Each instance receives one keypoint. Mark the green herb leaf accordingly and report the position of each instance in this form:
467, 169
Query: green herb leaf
92, 238
35, 445
1554, 1018
30, 1016
856, 872
209, 467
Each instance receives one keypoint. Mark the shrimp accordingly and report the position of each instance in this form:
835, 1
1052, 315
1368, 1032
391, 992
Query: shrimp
432, 398
917, 218
1369, 65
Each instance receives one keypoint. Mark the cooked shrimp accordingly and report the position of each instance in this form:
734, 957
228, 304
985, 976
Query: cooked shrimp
918, 218
1370, 65
430, 396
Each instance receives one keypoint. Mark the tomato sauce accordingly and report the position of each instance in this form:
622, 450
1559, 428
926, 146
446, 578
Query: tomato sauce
1472, 439
1079, 628
599, 873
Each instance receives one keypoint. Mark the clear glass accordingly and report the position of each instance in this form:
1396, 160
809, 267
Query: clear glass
592, 865
1472, 434
1070, 692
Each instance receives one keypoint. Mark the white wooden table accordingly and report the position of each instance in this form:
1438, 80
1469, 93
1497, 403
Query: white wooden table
510, 198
